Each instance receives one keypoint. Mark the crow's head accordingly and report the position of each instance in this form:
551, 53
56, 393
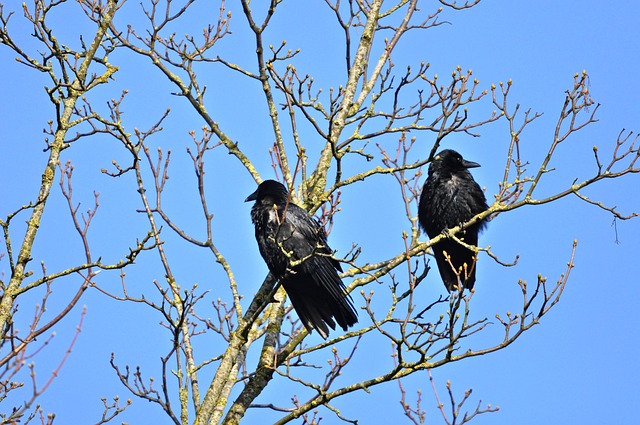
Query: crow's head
452, 161
270, 191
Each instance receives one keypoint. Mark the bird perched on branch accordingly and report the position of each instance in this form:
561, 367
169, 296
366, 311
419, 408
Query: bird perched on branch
450, 197
294, 246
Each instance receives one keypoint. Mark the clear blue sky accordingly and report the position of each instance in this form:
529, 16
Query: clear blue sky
578, 366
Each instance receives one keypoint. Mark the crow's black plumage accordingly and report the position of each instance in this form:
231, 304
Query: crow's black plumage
451, 197
294, 246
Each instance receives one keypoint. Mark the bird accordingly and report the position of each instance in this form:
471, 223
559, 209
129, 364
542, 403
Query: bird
450, 197
294, 246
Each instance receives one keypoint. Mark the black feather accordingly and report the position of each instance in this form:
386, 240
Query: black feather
450, 197
294, 246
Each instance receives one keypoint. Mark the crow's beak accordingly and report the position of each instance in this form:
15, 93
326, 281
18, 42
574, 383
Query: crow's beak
469, 164
252, 197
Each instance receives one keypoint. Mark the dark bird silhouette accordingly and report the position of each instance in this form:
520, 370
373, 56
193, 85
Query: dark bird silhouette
294, 246
451, 197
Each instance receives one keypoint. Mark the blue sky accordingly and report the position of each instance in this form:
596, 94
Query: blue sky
577, 366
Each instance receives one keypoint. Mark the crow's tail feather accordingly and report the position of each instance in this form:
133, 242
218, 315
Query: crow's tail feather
462, 259
319, 299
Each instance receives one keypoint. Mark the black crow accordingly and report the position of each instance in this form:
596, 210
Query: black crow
451, 197
294, 246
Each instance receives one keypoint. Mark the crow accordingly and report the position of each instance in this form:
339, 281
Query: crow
294, 246
450, 197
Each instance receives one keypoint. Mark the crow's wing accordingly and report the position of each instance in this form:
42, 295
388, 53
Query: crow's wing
313, 285
303, 236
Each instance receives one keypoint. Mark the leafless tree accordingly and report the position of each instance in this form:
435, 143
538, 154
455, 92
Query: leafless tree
374, 121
